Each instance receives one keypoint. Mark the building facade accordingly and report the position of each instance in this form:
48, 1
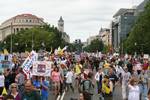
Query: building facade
105, 36
140, 7
91, 38
121, 26
19, 22
122, 23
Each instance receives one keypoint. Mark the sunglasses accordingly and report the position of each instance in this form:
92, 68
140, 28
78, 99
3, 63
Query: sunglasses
13, 87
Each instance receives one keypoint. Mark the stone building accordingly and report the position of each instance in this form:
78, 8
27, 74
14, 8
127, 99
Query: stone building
19, 22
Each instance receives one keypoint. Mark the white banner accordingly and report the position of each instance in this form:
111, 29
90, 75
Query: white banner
41, 68
33, 56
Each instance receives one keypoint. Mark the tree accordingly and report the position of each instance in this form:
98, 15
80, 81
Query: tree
44, 37
96, 45
138, 40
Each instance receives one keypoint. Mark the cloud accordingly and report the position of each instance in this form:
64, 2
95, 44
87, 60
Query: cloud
83, 18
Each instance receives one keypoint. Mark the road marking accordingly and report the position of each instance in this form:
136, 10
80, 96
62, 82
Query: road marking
58, 98
62, 97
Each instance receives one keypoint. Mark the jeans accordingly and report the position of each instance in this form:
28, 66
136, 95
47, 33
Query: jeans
143, 90
44, 97
124, 91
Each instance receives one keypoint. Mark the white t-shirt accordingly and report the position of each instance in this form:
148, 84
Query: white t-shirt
69, 77
125, 77
2, 78
134, 92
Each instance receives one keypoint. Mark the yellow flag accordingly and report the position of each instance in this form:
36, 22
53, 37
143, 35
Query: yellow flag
4, 91
6, 52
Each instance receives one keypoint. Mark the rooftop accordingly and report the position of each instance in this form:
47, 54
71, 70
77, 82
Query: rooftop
123, 11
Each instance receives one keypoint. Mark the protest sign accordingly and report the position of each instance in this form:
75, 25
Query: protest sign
41, 68
33, 56
146, 56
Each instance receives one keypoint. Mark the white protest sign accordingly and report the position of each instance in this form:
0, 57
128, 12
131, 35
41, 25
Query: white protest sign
146, 56
2, 78
41, 68
33, 56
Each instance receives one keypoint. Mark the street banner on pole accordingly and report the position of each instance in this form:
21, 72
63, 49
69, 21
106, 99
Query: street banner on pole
41, 68
33, 56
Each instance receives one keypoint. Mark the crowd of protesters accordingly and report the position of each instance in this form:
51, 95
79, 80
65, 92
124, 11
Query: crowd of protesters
90, 74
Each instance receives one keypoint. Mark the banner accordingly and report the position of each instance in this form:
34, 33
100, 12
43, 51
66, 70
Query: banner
41, 68
33, 56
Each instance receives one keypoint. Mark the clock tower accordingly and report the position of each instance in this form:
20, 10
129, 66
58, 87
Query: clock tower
61, 24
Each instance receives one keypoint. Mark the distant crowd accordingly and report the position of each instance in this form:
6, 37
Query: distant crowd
85, 74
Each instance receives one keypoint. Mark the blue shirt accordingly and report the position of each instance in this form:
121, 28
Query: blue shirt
37, 84
45, 91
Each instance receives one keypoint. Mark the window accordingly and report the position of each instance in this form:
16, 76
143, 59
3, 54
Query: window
17, 29
26, 20
30, 21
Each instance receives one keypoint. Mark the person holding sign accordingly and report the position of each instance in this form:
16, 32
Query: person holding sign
44, 88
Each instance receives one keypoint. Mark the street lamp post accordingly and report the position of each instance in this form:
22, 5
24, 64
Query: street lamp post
32, 41
11, 39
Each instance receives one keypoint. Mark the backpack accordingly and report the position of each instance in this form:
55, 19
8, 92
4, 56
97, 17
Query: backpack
87, 86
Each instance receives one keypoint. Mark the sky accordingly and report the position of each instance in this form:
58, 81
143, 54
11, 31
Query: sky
82, 18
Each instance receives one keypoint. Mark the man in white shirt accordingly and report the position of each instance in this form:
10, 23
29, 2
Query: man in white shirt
125, 78
69, 80
98, 77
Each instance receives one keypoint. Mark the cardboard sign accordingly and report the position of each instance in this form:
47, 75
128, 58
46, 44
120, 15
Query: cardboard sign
41, 68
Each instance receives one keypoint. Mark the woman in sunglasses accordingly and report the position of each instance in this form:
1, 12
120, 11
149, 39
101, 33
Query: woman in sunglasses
14, 91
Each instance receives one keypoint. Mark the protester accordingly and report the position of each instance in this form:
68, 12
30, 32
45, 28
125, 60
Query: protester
107, 88
134, 90
125, 79
7, 78
44, 88
9, 97
87, 87
69, 80
36, 83
98, 77
14, 91
81, 97
143, 84
56, 79
30, 93
20, 79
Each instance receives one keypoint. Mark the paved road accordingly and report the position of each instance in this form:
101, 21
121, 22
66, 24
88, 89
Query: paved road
116, 95
67, 95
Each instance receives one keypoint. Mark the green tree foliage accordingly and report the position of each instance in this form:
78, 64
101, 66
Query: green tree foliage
45, 37
96, 45
139, 37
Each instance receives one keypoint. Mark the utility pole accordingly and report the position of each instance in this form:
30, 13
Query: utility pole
11, 39
32, 40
